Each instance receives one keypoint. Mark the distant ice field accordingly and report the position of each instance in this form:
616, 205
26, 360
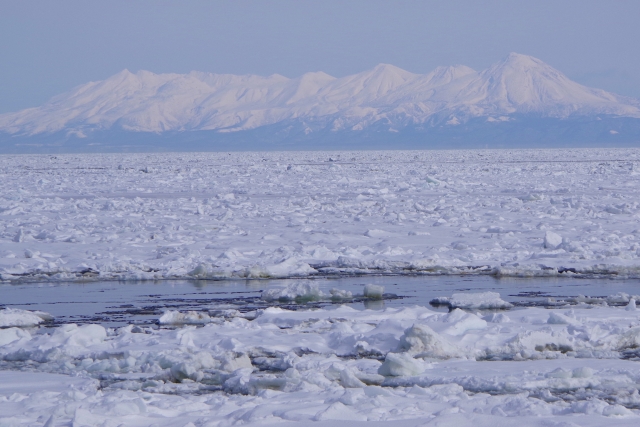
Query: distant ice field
306, 214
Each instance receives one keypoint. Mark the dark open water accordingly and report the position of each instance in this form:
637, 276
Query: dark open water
119, 303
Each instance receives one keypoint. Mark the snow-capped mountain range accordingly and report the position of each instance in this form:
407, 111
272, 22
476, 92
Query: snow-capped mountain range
386, 97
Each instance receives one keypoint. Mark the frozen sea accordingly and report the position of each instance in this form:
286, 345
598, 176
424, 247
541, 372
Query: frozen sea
220, 289
299, 214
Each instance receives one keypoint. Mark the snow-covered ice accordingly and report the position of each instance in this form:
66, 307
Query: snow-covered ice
16, 317
297, 214
568, 366
300, 292
483, 300
572, 213
188, 318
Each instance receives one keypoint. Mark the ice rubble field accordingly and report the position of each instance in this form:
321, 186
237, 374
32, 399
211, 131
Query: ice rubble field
400, 366
287, 214
140, 216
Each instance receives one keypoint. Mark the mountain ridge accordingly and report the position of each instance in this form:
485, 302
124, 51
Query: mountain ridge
384, 97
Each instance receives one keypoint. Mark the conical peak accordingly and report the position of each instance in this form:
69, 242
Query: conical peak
517, 67
520, 61
123, 75
386, 67
385, 74
519, 56
389, 69
524, 83
317, 76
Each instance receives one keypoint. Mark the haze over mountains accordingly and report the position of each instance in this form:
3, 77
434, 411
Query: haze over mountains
517, 101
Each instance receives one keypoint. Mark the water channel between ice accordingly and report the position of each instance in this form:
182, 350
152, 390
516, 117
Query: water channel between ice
115, 304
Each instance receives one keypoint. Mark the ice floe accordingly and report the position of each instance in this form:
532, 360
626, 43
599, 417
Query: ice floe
299, 292
482, 300
17, 317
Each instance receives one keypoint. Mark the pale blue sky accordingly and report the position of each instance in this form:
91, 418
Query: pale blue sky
48, 47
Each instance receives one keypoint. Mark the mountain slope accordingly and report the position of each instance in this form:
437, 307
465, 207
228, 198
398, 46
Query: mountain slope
383, 97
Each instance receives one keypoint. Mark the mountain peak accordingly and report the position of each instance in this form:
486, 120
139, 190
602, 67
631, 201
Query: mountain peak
525, 84
385, 72
123, 75
317, 76
515, 56
390, 70
520, 62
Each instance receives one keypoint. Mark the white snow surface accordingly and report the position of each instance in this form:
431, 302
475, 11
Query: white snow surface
572, 366
299, 214
296, 292
17, 317
482, 300
148, 102
189, 318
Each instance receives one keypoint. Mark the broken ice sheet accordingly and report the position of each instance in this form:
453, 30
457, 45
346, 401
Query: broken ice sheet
226, 215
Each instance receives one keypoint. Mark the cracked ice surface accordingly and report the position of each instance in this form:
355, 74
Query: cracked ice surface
288, 214
399, 366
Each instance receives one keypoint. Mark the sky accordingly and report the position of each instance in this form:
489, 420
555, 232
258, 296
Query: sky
49, 47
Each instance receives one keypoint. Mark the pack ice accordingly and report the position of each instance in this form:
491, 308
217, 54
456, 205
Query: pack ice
299, 214
574, 365
567, 213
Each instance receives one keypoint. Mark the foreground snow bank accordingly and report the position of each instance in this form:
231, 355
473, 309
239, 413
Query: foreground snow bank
535, 366
297, 214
